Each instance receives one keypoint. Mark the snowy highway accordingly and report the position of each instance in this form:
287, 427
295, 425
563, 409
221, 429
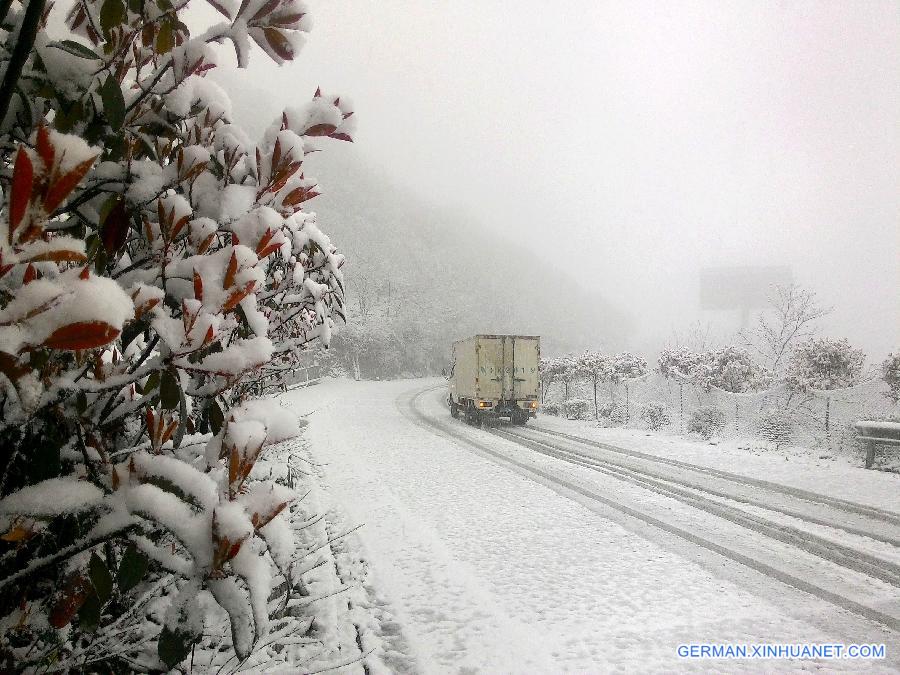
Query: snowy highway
543, 550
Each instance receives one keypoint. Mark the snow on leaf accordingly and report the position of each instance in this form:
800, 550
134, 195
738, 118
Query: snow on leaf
52, 497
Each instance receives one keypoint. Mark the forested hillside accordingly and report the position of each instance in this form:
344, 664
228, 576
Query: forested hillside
419, 276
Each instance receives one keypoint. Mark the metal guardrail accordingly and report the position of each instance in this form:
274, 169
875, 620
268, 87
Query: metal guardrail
874, 433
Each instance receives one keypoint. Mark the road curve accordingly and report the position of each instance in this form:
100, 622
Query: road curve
832, 573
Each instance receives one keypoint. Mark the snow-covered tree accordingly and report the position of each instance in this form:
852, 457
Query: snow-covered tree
627, 366
678, 364
561, 369
730, 369
890, 373
822, 363
790, 320
156, 266
596, 368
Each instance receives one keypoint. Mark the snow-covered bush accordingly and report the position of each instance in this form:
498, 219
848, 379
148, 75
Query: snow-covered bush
824, 364
550, 408
655, 415
612, 412
706, 422
775, 426
576, 408
156, 268
890, 373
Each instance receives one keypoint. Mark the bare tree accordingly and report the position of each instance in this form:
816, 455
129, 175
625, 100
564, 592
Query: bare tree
791, 318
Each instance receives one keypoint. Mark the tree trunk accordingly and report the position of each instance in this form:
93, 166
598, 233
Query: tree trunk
596, 409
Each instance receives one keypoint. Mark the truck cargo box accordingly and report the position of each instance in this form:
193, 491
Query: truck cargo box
495, 376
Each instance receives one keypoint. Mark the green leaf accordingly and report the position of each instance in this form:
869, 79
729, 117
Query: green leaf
169, 390
112, 14
131, 330
136, 6
89, 614
76, 49
165, 39
182, 420
100, 578
113, 102
173, 646
131, 569
216, 416
100, 261
152, 381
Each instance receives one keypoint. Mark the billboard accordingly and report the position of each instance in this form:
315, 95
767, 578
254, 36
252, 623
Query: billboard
742, 287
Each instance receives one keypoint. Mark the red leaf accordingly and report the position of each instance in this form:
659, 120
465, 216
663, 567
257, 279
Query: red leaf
237, 296
74, 593
318, 93
198, 286
45, 147
320, 130
261, 520
276, 153
231, 271
20, 195
279, 43
30, 274
65, 184
265, 9
82, 335
268, 250
176, 229
265, 239
341, 136
60, 255
115, 228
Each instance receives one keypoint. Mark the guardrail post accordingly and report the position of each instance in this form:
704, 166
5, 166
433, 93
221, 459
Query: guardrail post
870, 454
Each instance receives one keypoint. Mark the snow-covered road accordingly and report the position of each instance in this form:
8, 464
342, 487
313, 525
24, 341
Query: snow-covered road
488, 567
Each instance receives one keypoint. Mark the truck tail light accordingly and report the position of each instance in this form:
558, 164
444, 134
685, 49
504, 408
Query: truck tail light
533, 405
484, 404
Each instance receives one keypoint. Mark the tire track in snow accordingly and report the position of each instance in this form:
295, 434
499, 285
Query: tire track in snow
409, 407
835, 552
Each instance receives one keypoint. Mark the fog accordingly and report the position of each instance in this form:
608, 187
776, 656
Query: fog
639, 142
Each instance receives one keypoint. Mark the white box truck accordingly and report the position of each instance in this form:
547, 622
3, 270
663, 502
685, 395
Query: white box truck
495, 376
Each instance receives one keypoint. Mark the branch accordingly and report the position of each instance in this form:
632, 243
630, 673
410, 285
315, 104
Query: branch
20, 53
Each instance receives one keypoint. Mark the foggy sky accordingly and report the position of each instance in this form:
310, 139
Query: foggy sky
639, 141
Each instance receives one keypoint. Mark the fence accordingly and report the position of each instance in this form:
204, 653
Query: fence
817, 419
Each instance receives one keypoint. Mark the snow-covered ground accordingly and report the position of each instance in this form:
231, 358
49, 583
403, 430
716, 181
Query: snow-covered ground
477, 567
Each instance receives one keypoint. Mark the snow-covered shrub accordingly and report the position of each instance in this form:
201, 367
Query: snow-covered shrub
824, 364
890, 373
550, 408
706, 422
156, 268
655, 415
775, 426
612, 412
576, 408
